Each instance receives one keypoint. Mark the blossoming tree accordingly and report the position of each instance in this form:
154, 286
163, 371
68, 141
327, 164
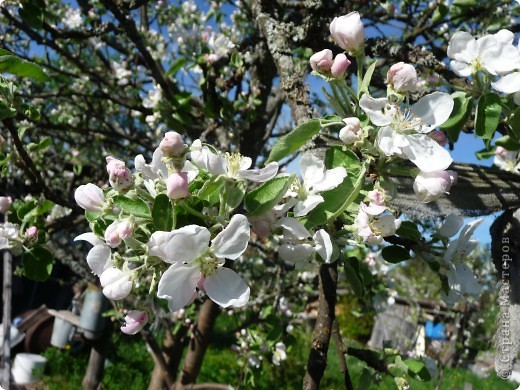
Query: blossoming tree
165, 125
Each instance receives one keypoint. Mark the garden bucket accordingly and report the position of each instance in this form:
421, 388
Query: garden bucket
61, 332
28, 368
91, 319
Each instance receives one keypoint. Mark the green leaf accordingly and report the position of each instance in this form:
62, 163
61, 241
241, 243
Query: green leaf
235, 192
176, 66
15, 65
346, 158
292, 141
395, 254
27, 211
408, 229
163, 213
508, 142
269, 194
137, 207
100, 226
463, 105
488, 115
31, 14
367, 78
211, 189
365, 380
275, 326
417, 370
6, 111
92, 216
353, 276
440, 12
465, 3
485, 153
37, 263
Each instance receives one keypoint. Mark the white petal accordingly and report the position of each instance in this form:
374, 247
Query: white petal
296, 253
426, 153
330, 179
390, 141
177, 285
156, 244
323, 245
461, 69
116, 283
375, 109
91, 238
451, 226
508, 84
311, 168
245, 163
504, 37
191, 169
502, 61
433, 109
307, 205
216, 165
99, 258
293, 229
226, 288
231, 242
185, 244
260, 175
462, 47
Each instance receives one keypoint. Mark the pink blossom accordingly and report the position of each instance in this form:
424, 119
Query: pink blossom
172, 144
348, 32
90, 197
177, 185
32, 233
321, 61
5, 204
120, 177
402, 77
430, 186
134, 321
340, 65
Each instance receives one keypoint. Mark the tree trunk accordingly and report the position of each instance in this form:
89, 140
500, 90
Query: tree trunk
96, 363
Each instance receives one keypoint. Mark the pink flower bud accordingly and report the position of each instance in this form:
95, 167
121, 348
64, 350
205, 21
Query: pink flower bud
117, 232
439, 137
376, 197
351, 132
5, 204
402, 77
172, 144
32, 233
321, 61
340, 65
348, 32
501, 151
177, 185
90, 197
125, 229
134, 321
119, 175
430, 186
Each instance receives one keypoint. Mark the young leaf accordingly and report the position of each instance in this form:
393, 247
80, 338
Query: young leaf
269, 194
15, 65
395, 254
37, 263
136, 207
292, 141
488, 115
462, 108
163, 213
367, 78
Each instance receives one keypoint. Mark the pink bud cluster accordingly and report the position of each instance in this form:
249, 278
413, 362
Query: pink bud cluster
322, 62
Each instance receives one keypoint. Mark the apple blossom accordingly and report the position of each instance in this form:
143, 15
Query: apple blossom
509, 84
8, 235
172, 145
5, 204
451, 226
116, 283
340, 65
120, 177
402, 77
316, 179
134, 321
321, 61
279, 354
404, 131
430, 186
99, 258
197, 264
90, 197
372, 225
348, 32
32, 233
177, 186
117, 232
231, 165
351, 132
507, 160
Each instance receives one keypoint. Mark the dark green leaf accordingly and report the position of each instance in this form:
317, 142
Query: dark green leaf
176, 66
408, 229
417, 370
31, 14
365, 380
235, 192
440, 12
269, 194
37, 263
485, 153
275, 325
337, 157
17, 66
508, 143
5, 111
395, 254
353, 276
163, 213
136, 207
292, 141
488, 115
211, 189
463, 105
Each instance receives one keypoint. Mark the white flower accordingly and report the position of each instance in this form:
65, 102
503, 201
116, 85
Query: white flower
430, 186
404, 131
451, 226
316, 179
197, 264
459, 249
352, 132
298, 248
219, 45
507, 160
279, 354
72, 19
134, 321
231, 165
348, 32
492, 53
90, 197
8, 233
116, 283
372, 225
